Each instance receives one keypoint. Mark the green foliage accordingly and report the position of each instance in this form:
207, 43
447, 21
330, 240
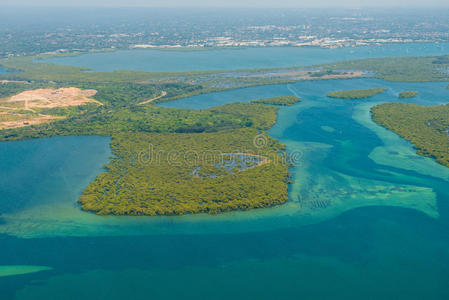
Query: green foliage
128, 94
153, 174
356, 94
30, 70
406, 69
282, 100
408, 94
427, 127
120, 113
131, 186
256, 115
199, 82
12, 88
107, 121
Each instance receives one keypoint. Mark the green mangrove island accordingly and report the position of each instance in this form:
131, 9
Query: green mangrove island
408, 94
355, 94
281, 101
147, 177
427, 127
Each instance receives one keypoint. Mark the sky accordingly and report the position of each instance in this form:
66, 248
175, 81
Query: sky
232, 3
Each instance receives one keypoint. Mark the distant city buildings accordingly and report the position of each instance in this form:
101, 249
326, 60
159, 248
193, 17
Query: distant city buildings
327, 29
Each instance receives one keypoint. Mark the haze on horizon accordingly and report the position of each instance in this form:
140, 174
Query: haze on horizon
231, 3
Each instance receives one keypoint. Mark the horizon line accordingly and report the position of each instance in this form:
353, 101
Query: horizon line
349, 7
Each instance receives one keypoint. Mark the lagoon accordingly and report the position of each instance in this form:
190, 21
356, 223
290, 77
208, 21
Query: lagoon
152, 60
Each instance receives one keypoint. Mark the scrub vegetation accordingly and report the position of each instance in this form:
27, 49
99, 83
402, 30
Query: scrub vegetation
408, 94
182, 84
135, 184
281, 101
405, 69
356, 94
427, 127
154, 174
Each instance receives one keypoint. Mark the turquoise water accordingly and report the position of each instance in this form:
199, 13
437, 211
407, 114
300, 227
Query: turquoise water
231, 59
37, 170
367, 217
3, 70
388, 239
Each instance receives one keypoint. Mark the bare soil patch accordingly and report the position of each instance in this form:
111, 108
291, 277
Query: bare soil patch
22, 109
163, 94
50, 98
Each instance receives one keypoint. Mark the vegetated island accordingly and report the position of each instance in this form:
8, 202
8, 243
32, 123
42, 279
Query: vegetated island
404, 69
205, 174
356, 94
281, 101
121, 117
171, 161
408, 94
427, 127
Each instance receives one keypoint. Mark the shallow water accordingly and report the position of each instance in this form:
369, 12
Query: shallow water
367, 218
231, 59
3, 70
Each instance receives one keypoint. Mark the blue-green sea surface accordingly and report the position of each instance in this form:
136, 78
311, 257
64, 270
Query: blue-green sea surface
367, 217
3, 70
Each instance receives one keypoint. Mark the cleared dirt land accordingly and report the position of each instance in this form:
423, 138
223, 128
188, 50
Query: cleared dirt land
49, 98
24, 109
